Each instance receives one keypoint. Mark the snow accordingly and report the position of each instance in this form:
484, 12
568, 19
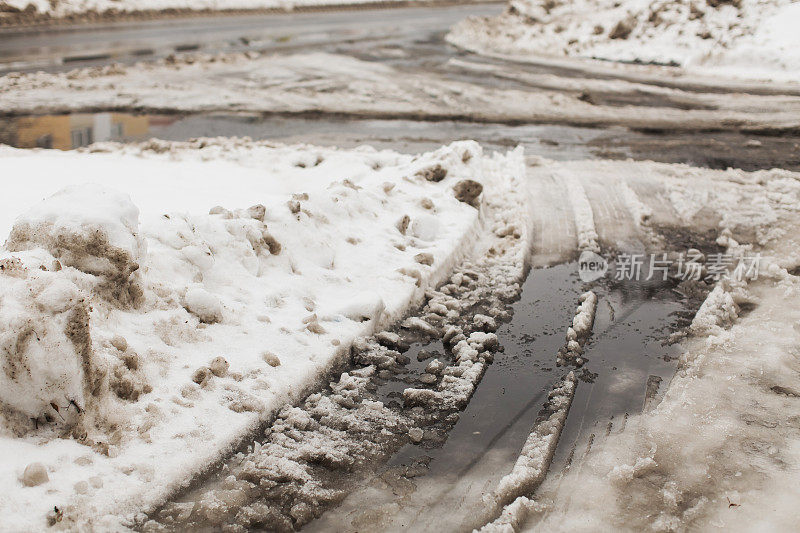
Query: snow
720, 449
346, 86
63, 8
534, 459
240, 311
746, 38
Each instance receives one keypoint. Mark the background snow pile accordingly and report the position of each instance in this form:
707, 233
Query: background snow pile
139, 319
747, 38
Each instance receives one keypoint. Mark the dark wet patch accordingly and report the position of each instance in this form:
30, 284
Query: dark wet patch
633, 323
745, 308
785, 391
712, 149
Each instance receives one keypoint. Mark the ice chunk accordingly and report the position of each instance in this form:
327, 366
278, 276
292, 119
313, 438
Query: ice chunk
90, 228
201, 303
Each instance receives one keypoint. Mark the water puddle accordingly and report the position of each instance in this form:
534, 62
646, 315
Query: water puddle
441, 488
706, 149
66, 132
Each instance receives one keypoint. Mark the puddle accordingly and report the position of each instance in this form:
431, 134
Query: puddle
712, 150
358, 469
67, 132
440, 489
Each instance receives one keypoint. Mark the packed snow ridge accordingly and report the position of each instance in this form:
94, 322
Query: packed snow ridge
314, 454
140, 320
744, 38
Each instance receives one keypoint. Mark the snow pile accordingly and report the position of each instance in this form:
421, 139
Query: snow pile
165, 311
748, 38
48, 370
92, 229
314, 454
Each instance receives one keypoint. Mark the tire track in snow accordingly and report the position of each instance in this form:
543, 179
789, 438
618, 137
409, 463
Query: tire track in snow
554, 236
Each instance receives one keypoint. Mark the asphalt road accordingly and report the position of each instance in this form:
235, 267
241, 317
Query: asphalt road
70, 46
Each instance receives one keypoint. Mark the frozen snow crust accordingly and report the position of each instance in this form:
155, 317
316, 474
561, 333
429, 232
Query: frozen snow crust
742, 38
139, 320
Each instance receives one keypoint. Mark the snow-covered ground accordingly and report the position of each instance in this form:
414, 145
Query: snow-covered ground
739, 38
61, 8
331, 83
166, 298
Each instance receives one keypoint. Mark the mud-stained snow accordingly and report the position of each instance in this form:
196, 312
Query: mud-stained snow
741, 38
61, 8
318, 82
165, 297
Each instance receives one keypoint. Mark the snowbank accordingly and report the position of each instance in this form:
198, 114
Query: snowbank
242, 307
741, 38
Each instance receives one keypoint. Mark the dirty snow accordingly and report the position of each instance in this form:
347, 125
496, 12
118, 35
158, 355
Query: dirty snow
167, 309
332, 83
60, 8
742, 38
721, 447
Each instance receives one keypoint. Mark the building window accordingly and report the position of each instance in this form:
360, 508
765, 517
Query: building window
81, 137
45, 141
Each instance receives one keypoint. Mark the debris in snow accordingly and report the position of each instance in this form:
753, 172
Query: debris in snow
468, 191
402, 224
433, 173
415, 434
424, 258
219, 366
46, 339
34, 474
271, 359
201, 375
203, 304
623, 29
